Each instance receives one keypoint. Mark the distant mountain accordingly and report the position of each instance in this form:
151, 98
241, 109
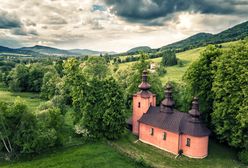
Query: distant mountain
139, 49
47, 50
237, 32
59, 52
84, 52
18, 51
89, 52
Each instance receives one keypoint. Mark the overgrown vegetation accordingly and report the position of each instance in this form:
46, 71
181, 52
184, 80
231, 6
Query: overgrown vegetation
220, 78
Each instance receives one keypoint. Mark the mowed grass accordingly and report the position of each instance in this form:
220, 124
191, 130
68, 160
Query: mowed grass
219, 156
85, 156
32, 99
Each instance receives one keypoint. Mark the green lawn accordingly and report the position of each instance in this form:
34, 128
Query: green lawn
219, 156
85, 156
175, 73
32, 99
127, 152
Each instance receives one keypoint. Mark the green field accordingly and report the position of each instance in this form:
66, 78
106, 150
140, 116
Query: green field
127, 152
85, 156
32, 99
175, 73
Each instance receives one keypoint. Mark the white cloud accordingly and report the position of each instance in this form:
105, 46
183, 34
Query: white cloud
74, 24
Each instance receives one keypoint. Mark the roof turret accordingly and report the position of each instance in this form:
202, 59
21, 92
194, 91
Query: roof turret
144, 84
167, 104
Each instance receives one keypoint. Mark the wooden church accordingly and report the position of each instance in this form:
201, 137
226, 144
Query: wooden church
167, 128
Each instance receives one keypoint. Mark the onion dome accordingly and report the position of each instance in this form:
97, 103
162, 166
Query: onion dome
192, 125
194, 112
167, 104
144, 84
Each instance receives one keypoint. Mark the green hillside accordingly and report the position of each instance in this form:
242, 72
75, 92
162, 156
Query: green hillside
175, 73
237, 32
139, 49
46, 50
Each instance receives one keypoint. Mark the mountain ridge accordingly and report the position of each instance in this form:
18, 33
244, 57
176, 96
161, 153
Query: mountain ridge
237, 32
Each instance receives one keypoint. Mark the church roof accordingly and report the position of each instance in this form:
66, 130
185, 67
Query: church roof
177, 122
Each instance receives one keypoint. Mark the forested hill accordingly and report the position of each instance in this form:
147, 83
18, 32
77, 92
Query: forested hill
237, 32
139, 49
46, 50
6, 50
39, 50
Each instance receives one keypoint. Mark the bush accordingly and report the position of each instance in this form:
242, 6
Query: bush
161, 70
180, 63
169, 58
243, 157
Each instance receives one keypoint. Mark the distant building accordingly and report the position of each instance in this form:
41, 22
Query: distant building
152, 67
167, 128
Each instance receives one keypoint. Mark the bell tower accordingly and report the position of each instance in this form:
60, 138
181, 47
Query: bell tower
142, 100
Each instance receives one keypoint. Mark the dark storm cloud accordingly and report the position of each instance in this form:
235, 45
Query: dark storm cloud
8, 21
146, 11
23, 32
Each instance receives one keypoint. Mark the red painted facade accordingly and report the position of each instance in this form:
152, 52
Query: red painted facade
170, 143
198, 146
141, 105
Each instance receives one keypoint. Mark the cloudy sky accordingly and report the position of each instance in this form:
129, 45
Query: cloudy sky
113, 25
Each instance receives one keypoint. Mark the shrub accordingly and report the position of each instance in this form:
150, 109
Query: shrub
161, 70
243, 156
169, 58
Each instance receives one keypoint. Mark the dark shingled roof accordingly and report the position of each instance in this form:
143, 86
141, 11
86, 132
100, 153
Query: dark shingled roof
177, 122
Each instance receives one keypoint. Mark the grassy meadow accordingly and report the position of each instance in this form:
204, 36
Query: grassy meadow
32, 99
84, 156
127, 152
175, 73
